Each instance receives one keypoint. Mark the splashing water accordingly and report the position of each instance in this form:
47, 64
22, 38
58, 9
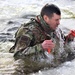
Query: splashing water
19, 8
61, 38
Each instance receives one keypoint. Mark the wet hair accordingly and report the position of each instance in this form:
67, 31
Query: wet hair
49, 10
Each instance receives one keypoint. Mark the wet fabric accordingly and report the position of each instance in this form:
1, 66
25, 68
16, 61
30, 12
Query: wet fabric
29, 38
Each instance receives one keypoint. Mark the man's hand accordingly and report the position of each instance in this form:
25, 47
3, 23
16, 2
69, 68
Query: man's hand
48, 44
71, 35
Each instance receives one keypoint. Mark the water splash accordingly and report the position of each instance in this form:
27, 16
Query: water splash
61, 40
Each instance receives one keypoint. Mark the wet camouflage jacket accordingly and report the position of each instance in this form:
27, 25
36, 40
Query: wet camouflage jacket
30, 36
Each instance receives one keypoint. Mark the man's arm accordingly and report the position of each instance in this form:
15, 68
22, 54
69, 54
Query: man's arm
24, 44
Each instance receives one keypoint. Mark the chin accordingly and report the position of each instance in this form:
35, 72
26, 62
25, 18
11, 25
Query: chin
53, 29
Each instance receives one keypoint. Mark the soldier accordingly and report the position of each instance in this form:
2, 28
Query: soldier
35, 38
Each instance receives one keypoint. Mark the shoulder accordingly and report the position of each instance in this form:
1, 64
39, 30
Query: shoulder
30, 25
27, 27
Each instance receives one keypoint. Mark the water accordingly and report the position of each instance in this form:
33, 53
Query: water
15, 12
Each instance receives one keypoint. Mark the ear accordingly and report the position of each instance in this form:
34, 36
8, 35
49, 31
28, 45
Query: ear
45, 18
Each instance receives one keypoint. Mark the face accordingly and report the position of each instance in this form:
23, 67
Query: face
54, 21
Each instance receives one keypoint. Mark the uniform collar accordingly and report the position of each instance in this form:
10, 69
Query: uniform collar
44, 25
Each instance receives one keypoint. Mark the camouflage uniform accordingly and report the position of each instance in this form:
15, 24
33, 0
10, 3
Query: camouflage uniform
28, 46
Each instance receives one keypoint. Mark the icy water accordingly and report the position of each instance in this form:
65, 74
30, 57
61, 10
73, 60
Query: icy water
15, 12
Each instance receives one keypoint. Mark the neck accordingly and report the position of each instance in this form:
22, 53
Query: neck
44, 25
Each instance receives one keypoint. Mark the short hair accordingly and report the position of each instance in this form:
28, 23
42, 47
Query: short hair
49, 9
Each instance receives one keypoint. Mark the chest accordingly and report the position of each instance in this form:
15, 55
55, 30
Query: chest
40, 36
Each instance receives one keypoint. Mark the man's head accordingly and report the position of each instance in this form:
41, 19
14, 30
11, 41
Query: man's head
51, 15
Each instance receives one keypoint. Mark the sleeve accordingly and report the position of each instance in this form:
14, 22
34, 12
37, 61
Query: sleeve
23, 39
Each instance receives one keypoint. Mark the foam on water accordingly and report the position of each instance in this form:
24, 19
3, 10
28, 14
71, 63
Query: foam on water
11, 10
